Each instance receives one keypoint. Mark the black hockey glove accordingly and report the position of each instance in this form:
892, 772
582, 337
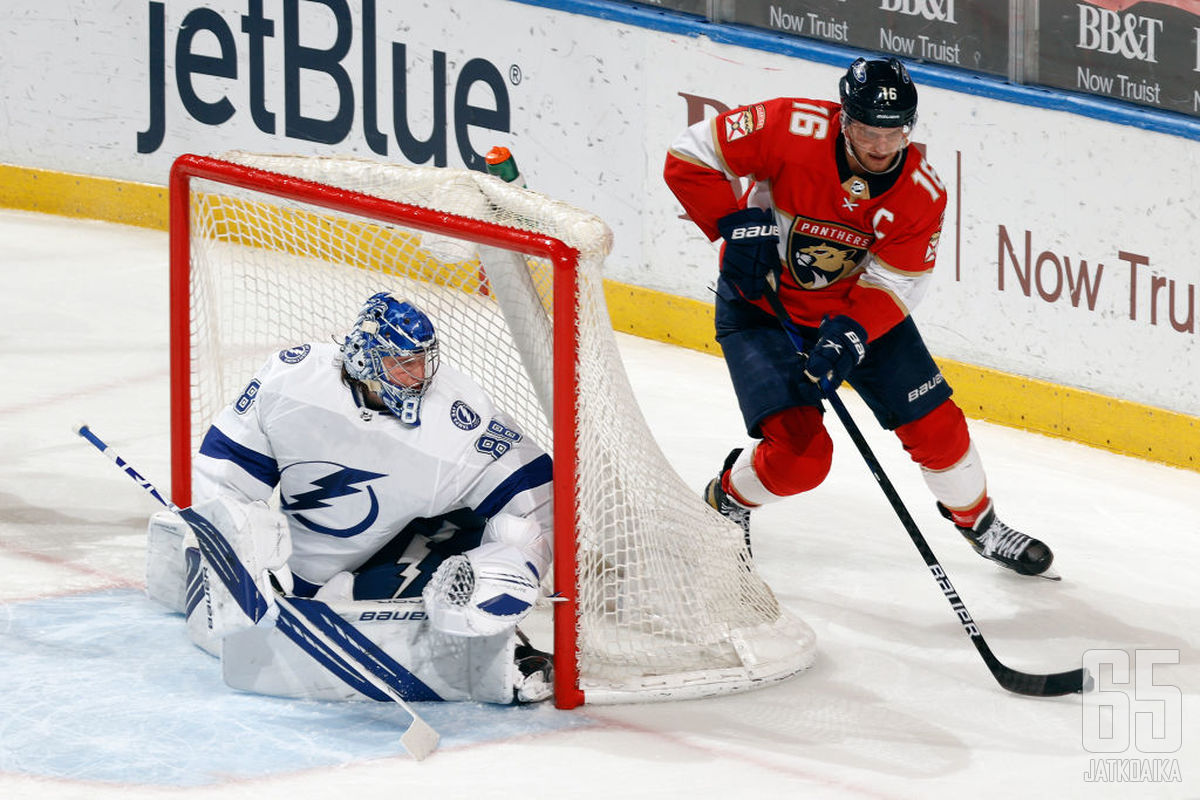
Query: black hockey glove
751, 249
841, 346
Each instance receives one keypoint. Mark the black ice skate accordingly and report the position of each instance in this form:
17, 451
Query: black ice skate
536, 680
997, 542
725, 505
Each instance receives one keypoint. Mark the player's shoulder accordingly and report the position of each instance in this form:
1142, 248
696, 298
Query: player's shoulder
795, 114
797, 127
457, 396
452, 385
922, 187
294, 362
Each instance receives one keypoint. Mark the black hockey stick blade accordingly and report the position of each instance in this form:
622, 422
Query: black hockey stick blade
1073, 681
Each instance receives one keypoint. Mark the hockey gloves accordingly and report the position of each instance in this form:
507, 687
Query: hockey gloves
751, 249
840, 347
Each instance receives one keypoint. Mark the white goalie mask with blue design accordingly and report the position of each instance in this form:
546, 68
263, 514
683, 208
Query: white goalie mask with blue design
393, 351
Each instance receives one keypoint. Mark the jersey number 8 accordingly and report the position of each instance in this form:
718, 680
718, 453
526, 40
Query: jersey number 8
496, 440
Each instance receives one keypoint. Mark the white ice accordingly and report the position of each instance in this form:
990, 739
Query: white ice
101, 696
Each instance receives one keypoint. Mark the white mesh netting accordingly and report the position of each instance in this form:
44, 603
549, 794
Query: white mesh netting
668, 603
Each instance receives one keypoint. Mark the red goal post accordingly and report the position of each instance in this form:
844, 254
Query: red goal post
655, 597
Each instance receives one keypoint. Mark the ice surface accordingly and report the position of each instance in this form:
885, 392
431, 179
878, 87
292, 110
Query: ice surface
101, 696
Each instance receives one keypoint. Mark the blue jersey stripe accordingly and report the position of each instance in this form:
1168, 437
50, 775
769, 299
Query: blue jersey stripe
257, 465
534, 474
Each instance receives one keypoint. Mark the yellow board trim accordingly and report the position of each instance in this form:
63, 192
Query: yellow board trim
1108, 423
28, 189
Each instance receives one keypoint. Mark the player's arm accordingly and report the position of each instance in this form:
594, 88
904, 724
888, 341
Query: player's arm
236, 458
505, 472
491, 588
704, 162
701, 169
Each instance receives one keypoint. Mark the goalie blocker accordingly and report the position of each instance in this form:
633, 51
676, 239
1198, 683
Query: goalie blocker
457, 642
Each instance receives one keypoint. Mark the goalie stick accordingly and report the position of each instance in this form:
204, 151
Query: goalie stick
310, 623
1059, 683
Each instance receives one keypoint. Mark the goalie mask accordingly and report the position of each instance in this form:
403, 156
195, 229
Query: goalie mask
393, 351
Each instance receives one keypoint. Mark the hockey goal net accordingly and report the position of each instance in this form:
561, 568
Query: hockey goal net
656, 597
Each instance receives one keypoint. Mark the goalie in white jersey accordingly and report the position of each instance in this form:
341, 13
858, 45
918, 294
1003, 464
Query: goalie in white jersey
408, 503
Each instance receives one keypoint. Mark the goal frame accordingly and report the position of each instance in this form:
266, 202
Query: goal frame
565, 345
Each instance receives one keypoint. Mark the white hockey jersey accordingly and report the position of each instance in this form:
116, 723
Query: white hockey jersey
349, 477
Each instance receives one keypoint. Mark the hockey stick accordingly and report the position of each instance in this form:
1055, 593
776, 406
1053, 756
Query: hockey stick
419, 738
1059, 683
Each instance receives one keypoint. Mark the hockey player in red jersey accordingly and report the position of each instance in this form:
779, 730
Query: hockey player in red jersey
848, 213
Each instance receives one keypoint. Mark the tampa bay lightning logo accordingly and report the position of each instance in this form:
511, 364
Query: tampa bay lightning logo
294, 355
463, 417
312, 490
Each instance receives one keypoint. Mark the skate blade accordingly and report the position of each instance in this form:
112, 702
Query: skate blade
1049, 575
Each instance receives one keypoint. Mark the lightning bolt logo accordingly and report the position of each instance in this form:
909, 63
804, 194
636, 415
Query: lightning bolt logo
337, 482
414, 554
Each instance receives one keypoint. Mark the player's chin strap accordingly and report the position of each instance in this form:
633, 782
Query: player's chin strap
1076, 680
325, 635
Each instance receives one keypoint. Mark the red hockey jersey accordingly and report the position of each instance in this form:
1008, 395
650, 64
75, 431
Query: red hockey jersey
850, 245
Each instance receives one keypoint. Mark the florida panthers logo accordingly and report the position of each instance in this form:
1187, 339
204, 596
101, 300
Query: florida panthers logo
820, 253
329, 498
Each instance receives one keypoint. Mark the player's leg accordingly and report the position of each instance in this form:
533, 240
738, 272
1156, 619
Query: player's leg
781, 409
906, 391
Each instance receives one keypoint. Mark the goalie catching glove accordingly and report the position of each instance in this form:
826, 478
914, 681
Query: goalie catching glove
489, 589
483, 592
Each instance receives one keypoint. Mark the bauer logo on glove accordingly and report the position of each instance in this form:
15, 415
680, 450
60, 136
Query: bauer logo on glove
841, 346
751, 249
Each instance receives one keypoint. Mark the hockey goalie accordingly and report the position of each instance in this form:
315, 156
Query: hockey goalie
373, 483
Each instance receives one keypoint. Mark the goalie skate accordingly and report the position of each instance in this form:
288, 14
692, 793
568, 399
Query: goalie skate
535, 682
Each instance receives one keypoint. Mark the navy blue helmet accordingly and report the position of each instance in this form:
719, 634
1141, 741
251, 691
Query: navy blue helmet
879, 93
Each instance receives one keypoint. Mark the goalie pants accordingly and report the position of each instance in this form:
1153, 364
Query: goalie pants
897, 379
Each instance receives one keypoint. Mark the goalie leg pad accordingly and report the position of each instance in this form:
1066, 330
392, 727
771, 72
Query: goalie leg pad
167, 536
433, 665
243, 547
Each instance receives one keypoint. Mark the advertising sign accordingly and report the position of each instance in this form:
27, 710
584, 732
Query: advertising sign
971, 34
1139, 52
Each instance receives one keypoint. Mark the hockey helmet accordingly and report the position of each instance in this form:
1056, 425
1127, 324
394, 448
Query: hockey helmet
879, 93
393, 350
